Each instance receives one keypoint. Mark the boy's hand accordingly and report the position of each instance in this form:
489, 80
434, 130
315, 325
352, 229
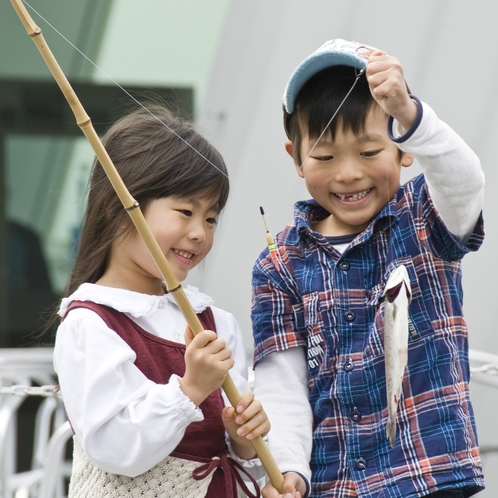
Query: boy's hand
248, 422
207, 362
294, 487
387, 84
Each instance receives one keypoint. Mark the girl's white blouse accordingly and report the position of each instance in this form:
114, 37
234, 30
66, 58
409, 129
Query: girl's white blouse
125, 422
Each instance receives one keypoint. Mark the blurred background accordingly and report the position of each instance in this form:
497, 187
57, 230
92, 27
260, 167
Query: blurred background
225, 64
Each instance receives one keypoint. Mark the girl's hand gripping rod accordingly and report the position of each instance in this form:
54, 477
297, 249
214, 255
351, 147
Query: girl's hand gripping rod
135, 213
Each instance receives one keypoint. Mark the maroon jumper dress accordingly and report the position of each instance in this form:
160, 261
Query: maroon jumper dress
158, 359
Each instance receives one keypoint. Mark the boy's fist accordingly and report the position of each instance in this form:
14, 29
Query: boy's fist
388, 87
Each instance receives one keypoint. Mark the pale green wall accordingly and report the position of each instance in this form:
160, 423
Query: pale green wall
172, 42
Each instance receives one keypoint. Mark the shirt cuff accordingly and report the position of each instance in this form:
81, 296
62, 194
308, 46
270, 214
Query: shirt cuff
186, 404
254, 466
306, 482
411, 131
253, 462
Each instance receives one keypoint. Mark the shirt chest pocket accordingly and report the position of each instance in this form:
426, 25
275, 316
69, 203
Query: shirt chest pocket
314, 314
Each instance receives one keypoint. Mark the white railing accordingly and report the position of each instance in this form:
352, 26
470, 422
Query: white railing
484, 367
28, 372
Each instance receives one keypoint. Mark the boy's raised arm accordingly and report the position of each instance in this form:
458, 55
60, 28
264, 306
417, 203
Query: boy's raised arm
452, 171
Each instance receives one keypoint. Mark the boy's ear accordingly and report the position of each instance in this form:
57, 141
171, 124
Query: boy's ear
407, 159
289, 147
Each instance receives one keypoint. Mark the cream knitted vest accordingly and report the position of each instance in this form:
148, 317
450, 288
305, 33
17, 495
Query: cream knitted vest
170, 478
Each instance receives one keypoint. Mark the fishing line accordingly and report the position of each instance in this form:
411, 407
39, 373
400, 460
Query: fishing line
124, 90
134, 99
358, 75
333, 116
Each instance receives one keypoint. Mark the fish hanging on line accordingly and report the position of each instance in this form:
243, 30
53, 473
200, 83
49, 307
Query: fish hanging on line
397, 297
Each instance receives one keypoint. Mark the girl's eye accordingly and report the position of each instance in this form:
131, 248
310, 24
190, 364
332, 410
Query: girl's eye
186, 212
323, 158
212, 221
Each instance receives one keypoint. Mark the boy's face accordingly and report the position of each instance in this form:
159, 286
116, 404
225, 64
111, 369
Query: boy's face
352, 177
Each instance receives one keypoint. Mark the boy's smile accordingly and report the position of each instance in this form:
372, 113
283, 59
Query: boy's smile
353, 197
354, 176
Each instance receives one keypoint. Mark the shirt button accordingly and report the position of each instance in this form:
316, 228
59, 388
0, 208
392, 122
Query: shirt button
344, 265
349, 316
348, 366
361, 464
355, 415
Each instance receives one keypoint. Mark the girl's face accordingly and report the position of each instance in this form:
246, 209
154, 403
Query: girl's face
184, 230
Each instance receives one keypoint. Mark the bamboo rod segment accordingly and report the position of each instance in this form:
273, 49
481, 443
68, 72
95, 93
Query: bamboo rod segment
172, 282
135, 213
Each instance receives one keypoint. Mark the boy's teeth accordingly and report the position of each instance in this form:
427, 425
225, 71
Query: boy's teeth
354, 197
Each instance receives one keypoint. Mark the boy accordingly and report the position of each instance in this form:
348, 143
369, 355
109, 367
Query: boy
319, 319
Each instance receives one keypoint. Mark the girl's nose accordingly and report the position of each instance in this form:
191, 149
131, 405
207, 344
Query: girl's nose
197, 232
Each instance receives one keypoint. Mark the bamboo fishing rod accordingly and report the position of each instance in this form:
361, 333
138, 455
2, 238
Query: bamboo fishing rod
133, 209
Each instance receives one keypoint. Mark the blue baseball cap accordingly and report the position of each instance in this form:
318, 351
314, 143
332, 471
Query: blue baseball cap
332, 53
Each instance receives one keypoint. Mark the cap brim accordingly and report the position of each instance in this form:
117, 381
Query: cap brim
332, 53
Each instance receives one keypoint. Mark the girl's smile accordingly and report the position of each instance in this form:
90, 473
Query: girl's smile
184, 254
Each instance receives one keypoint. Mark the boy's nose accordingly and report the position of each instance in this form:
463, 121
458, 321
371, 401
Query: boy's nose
348, 172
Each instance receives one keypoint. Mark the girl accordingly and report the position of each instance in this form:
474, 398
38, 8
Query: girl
142, 396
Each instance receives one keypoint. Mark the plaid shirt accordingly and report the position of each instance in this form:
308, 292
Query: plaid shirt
332, 304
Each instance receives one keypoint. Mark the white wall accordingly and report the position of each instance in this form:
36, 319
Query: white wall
447, 50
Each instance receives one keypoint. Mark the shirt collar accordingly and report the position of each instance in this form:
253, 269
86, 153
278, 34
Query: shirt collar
306, 213
309, 211
134, 303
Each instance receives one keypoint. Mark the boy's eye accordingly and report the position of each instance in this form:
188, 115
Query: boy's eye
185, 212
323, 158
212, 221
370, 153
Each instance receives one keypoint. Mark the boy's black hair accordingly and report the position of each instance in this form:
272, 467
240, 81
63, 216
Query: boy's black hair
320, 98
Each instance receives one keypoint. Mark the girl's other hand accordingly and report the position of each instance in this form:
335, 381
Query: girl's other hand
207, 362
248, 422
294, 487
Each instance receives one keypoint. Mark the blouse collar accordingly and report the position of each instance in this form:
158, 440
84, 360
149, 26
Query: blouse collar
135, 303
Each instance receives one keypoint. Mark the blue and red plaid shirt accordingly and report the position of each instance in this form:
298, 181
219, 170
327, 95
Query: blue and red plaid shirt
332, 304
